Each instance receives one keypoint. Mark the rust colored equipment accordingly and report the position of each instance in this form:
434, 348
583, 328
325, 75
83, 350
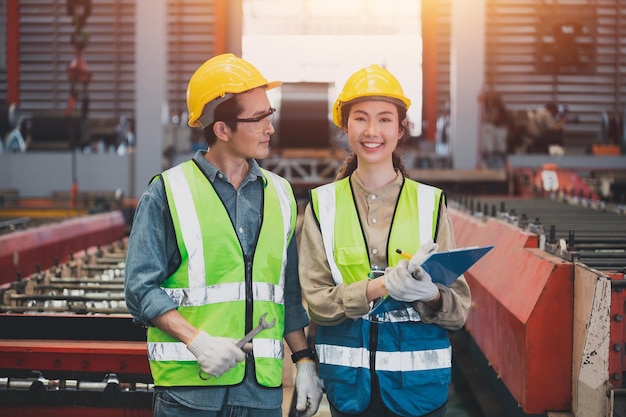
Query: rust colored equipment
521, 315
73, 366
68, 346
547, 302
40, 247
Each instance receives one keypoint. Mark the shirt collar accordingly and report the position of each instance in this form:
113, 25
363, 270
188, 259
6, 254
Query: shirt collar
211, 170
389, 189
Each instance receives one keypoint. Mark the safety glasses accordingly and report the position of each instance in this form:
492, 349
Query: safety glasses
258, 123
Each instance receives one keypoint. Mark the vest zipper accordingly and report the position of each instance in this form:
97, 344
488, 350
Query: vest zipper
249, 298
373, 342
249, 307
373, 349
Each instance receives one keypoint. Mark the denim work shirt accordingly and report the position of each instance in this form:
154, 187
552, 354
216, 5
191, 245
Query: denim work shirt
153, 256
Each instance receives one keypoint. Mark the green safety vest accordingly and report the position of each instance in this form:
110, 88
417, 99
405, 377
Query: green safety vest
211, 286
415, 220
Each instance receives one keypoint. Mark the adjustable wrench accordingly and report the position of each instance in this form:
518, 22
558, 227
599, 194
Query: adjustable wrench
263, 324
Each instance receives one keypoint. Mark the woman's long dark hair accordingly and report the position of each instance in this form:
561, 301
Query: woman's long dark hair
350, 162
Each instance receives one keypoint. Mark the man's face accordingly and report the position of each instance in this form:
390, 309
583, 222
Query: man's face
254, 125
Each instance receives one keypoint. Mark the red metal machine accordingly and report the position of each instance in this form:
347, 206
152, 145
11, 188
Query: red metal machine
548, 304
522, 311
68, 346
79, 375
25, 251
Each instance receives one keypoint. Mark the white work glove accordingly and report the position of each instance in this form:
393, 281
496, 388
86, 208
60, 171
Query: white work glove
216, 355
404, 286
308, 388
426, 249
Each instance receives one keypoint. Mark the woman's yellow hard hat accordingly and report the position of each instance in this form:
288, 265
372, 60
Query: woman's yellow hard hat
371, 81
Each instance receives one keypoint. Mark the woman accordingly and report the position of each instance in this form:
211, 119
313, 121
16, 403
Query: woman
387, 363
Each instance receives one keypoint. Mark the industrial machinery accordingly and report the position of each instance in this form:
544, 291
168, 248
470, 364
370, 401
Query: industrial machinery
68, 346
67, 343
64, 229
545, 334
306, 147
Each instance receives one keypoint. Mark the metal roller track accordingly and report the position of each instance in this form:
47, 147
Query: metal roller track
67, 340
575, 229
91, 283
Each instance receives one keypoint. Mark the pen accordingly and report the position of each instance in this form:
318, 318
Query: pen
403, 253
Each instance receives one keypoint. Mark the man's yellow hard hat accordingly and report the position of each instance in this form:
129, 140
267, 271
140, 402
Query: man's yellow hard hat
218, 77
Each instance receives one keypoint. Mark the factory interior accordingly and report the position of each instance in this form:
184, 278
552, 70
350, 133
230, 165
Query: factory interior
92, 107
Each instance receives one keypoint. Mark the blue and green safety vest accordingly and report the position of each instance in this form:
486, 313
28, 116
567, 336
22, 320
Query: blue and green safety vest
411, 359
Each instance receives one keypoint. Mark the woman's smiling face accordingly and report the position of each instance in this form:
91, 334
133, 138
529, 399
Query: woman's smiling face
374, 130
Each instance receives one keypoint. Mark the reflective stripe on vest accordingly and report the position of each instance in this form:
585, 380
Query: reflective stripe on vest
173, 351
385, 361
216, 302
211, 294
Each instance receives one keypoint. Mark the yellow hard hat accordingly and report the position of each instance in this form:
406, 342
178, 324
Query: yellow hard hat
218, 78
371, 81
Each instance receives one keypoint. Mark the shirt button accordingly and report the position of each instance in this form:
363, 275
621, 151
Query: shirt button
373, 220
241, 230
373, 197
220, 175
374, 251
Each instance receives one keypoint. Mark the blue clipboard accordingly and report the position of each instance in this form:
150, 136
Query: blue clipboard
446, 267
443, 267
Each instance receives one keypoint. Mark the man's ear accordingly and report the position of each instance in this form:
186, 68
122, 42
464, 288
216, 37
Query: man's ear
221, 130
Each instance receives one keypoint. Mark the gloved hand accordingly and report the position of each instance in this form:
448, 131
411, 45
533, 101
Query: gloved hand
404, 286
426, 249
308, 388
216, 355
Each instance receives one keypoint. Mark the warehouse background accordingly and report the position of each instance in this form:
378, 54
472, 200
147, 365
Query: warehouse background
545, 334
524, 52
524, 60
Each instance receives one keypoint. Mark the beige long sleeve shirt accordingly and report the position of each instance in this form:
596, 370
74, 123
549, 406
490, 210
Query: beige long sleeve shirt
330, 304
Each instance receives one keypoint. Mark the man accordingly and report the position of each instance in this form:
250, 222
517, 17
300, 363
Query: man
212, 251
545, 130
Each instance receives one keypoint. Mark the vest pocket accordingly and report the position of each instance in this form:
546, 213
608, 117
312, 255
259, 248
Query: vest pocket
344, 365
351, 255
417, 396
351, 397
